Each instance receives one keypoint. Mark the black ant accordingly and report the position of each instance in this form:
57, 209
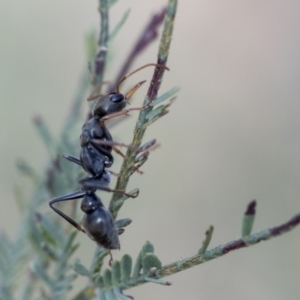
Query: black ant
95, 156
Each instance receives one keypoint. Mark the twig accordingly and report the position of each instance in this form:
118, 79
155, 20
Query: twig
100, 60
200, 258
221, 250
214, 253
151, 95
147, 36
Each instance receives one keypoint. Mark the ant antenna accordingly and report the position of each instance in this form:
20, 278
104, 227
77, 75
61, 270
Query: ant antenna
135, 71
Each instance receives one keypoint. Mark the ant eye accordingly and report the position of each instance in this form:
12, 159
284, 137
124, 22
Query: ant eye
116, 98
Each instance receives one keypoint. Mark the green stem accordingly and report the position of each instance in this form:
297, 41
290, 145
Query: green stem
100, 60
208, 255
221, 250
141, 125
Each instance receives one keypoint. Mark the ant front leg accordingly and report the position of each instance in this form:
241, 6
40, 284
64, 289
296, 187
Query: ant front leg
73, 196
122, 113
118, 151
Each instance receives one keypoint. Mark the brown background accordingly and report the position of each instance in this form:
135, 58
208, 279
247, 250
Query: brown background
232, 135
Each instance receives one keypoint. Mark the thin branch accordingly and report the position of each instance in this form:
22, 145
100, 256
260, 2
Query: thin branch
151, 95
100, 60
221, 250
211, 254
197, 259
147, 36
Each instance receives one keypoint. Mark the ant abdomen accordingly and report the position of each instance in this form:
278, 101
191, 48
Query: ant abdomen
98, 222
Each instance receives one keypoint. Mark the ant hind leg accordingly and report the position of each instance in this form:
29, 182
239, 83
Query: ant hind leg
73, 196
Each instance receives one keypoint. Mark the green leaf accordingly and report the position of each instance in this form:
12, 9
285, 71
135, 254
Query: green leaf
27, 170
123, 223
138, 265
158, 281
150, 261
116, 272
41, 274
145, 146
107, 278
68, 244
50, 232
148, 248
111, 3
91, 44
126, 266
156, 113
110, 295
100, 282
6, 294
206, 241
115, 31
63, 284
113, 207
122, 296
97, 262
103, 296
5, 249
27, 291
154, 119
81, 269
46, 136
249, 218
166, 95
50, 252
248, 222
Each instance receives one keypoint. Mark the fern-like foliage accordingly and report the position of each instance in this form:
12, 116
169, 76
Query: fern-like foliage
43, 249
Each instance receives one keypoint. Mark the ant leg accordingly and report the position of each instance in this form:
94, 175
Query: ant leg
111, 258
72, 159
113, 173
96, 184
137, 166
122, 113
113, 115
119, 114
95, 94
118, 151
123, 155
73, 196
110, 143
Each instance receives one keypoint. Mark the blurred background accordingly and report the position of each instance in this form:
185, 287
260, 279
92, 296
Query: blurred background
231, 136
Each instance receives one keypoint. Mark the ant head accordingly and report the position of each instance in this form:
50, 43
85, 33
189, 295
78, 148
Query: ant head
115, 102
108, 104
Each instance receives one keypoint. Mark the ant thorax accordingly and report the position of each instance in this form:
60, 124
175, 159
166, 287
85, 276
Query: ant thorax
92, 130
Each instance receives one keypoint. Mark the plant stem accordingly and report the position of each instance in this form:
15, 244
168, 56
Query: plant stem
221, 250
100, 60
147, 36
141, 125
